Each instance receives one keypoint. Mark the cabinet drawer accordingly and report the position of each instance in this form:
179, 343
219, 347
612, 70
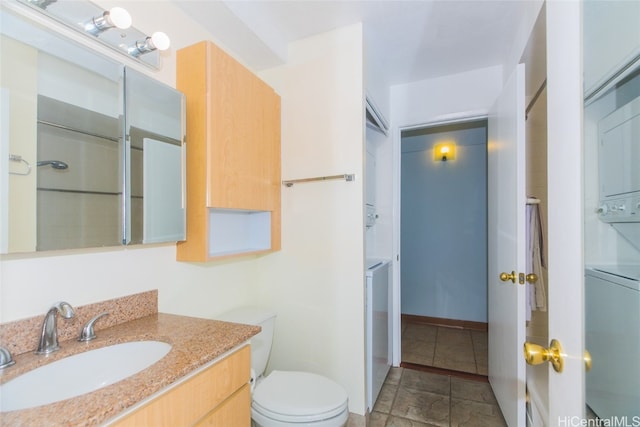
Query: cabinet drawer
233, 412
189, 401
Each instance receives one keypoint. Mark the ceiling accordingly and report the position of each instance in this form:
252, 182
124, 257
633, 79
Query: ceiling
410, 40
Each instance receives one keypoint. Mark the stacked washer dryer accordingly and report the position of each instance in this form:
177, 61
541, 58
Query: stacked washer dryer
612, 334
612, 292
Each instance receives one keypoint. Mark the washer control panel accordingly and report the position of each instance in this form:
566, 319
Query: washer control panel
624, 209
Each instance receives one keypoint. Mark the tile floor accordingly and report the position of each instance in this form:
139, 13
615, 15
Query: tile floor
412, 398
445, 347
445, 386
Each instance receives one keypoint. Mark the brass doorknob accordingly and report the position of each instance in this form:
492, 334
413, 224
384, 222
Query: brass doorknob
535, 354
588, 362
531, 278
506, 276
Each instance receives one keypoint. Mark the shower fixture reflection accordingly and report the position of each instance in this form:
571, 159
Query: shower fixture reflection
56, 164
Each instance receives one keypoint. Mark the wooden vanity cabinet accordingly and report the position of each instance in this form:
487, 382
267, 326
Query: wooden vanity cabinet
233, 156
219, 396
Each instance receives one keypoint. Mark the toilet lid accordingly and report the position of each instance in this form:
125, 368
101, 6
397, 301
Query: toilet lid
299, 397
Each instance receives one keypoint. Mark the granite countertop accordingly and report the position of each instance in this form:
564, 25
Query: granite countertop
195, 342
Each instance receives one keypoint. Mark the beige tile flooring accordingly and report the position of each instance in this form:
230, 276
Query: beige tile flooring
412, 398
446, 387
445, 347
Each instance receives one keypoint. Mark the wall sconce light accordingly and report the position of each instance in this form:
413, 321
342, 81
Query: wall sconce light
158, 40
115, 17
444, 151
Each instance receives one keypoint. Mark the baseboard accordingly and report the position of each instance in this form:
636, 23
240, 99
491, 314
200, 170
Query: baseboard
443, 371
449, 323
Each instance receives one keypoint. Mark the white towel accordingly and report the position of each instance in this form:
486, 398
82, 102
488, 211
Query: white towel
536, 262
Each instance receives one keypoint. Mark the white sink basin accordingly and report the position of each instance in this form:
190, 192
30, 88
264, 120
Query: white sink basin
79, 374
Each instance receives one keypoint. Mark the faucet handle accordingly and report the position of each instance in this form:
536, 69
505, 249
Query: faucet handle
87, 333
65, 309
5, 358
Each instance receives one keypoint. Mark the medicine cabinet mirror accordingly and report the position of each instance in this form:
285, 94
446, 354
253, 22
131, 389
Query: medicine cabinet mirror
91, 151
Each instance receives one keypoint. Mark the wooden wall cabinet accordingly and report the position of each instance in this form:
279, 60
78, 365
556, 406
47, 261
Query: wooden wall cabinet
233, 157
219, 396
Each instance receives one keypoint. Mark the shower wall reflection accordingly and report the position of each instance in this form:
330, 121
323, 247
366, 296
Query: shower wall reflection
78, 206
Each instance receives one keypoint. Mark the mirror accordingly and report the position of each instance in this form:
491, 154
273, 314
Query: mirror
155, 132
91, 150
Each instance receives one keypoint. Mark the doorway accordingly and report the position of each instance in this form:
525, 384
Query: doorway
443, 242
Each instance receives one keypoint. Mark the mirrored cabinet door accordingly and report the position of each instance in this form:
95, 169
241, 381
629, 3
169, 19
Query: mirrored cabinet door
79, 157
154, 126
92, 151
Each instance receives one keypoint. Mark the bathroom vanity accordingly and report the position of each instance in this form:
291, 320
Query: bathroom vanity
203, 380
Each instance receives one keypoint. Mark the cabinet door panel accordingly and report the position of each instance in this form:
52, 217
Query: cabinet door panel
188, 402
234, 412
243, 152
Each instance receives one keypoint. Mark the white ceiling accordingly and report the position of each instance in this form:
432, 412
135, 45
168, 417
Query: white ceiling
411, 40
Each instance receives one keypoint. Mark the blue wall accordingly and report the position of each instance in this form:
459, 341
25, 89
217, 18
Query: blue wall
444, 224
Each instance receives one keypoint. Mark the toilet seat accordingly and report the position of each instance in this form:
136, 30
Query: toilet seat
299, 397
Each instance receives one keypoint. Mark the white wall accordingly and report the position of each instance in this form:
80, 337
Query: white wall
611, 38
316, 283
445, 98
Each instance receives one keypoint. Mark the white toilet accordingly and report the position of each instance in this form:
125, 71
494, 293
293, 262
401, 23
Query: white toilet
287, 398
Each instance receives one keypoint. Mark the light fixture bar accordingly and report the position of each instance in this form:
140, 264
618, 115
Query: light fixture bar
111, 28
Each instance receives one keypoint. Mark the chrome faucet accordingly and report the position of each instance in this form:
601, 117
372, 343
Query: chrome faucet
87, 333
49, 336
5, 358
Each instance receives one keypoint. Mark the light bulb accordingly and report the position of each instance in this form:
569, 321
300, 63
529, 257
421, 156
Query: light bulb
157, 41
160, 40
120, 18
115, 17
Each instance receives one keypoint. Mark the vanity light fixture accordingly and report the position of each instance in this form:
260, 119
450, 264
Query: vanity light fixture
93, 22
444, 151
158, 40
116, 17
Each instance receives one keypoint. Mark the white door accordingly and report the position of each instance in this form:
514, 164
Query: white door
564, 243
506, 201
565, 207
506, 240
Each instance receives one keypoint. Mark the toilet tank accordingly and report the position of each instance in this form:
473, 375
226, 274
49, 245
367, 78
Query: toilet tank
260, 343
